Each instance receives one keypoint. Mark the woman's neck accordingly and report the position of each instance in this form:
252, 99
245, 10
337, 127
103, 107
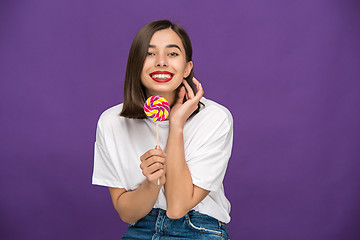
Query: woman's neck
170, 97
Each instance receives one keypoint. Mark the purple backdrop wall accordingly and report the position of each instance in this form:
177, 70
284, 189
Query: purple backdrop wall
288, 71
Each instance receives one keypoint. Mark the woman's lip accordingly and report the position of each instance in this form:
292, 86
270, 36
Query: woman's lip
161, 80
161, 72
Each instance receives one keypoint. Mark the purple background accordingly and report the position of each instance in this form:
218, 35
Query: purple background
289, 72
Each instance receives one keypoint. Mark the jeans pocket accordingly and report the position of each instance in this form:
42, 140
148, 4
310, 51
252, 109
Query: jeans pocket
202, 223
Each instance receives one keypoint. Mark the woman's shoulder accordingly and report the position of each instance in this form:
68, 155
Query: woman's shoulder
214, 110
111, 114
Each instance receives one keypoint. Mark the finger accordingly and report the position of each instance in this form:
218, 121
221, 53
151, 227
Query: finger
189, 90
152, 160
181, 95
162, 179
200, 90
152, 169
159, 148
152, 152
156, 175
197, 83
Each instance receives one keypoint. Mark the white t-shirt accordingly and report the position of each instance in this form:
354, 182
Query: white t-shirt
208, 138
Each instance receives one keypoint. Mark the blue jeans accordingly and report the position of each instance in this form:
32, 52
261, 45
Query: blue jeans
194, 225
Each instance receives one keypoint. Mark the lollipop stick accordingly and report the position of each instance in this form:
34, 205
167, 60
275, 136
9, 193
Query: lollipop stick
157, 144
157, 133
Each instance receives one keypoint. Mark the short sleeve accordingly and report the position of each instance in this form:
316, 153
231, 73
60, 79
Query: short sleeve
208, 163
104, 172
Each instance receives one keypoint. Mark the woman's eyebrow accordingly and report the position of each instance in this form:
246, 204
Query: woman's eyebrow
173, 46
168, 46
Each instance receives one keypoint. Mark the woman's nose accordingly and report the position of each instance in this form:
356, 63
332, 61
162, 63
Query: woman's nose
161, 62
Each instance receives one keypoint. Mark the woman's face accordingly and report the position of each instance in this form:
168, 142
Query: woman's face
165, 66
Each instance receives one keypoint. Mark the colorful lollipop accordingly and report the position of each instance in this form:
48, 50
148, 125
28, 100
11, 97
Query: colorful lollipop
157, 108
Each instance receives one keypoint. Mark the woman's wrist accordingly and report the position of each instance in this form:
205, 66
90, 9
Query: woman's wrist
176, 126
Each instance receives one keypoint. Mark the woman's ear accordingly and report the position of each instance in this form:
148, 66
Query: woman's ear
188, 68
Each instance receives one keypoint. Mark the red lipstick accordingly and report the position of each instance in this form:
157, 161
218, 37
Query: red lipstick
161, 79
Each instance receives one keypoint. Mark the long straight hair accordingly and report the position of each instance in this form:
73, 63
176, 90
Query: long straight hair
134, 90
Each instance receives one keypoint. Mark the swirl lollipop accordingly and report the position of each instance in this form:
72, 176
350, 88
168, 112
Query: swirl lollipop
157, 108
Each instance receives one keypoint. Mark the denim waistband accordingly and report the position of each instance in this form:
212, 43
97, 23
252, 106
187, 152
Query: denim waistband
155, 212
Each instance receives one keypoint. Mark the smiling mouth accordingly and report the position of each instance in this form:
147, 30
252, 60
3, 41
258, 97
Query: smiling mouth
161, 76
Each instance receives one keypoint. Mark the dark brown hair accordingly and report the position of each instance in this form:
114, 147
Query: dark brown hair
134, 90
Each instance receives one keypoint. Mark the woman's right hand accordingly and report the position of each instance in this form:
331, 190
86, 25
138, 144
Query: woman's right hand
153, 166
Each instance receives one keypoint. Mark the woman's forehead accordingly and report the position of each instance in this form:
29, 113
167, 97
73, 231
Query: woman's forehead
164, 38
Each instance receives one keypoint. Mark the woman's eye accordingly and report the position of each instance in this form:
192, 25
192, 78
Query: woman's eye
173, 54
150, 54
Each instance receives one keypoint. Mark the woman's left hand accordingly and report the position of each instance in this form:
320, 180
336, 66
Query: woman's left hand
180, 112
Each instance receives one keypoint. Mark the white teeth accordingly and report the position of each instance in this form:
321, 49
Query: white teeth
161, 76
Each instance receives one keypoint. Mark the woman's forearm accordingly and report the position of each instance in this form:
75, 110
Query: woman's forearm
134, 205
178, 187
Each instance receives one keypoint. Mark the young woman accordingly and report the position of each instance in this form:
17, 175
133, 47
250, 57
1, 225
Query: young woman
175, 190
